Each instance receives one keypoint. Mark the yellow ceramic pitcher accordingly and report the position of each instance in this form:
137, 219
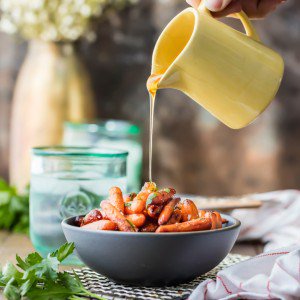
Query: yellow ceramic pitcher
231, 74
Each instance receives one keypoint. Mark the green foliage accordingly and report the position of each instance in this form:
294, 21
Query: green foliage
14, 209
38, 278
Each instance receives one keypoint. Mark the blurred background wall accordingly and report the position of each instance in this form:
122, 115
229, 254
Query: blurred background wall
192, 151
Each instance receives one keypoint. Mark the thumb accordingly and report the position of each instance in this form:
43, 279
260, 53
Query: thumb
216, 5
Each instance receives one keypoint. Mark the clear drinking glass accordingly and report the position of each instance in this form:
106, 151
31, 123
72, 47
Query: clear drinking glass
69, 181
112, 134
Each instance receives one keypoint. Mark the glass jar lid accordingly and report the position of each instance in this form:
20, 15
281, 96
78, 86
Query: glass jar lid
108, 127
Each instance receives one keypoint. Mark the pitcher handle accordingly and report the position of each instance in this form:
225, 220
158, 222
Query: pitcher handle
249, 28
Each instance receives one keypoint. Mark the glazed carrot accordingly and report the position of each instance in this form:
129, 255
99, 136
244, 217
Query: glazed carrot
137, 220
161, 197
128, 202
224, 221
116, 198
154, 211
129, 197
167, 211
101, 225
189, 210
116, 216
193, 225
176, 216
139, 202
149, 226
219, 219
202, 213
93, 216
215, 218
104, 216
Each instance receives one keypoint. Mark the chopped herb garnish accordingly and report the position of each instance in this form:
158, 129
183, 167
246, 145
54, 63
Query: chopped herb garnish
150, 198
131, 224
167, 190
127, 204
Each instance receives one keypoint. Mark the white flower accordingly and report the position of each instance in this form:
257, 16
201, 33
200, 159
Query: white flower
53, 20
7, 26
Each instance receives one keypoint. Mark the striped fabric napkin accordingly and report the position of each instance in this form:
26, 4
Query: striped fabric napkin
276, 222
271, 275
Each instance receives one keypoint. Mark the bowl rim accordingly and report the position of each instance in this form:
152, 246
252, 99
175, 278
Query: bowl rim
236, 224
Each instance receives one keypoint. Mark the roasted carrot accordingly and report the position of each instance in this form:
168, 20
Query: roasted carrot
137, 220
138, 204
193, 225
149, 226
167, 211
93, 216
214, 216
224, 221
116, 216
189, 210
161, 197
154, 211
176, 216
129, 197
101, 225
116, 198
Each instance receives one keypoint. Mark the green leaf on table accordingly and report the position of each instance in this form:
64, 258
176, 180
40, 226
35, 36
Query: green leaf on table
10, 271
21, 263
33, 259
11, 292
14, 209
63, 252
26, 286
40, 279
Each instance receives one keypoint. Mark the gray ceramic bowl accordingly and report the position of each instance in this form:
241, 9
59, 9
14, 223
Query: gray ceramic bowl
151, 259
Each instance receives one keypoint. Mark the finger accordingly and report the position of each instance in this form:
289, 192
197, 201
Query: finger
232, 8
217, 5
194, 3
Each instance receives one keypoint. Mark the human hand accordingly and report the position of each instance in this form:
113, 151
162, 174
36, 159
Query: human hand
253, 8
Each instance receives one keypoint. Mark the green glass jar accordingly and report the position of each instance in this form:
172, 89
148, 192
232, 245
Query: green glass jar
113, 134
69, 181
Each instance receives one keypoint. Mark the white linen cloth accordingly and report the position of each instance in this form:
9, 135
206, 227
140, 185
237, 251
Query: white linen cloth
272, 275
276, 222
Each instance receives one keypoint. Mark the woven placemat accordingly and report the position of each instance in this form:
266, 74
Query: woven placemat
108, 289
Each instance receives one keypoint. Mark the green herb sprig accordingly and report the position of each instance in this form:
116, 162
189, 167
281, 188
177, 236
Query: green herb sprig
14, 209
37, 278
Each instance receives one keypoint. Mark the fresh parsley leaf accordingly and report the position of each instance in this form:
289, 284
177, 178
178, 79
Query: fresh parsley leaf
26, 286
64, 251
150, 198
167, 190
11, 292
40, 279
14, 209
127, 204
